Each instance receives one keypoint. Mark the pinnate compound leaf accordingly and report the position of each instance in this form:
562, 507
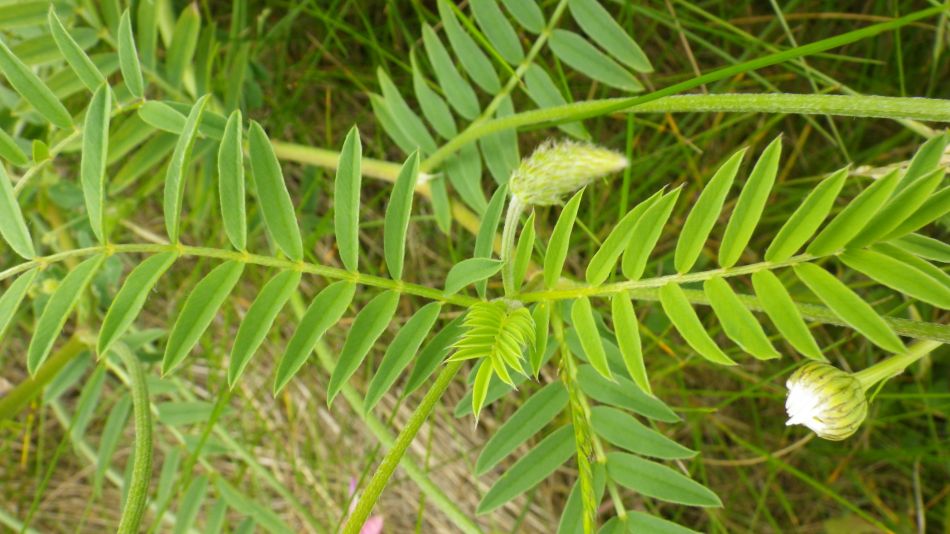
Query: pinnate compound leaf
701, 219
582, 316
603, 28
579, 54
92, 168
278, 210
231, 182
539, 410
560, 241
326, 309
368, 325
400, 352
623, 393
628, 339
847, 305
74, 55
658, 481
12, 297
807, 218
398, 212
737, 321
469, 271
854, 217
781, 309
178, 169
530, 469
687, 323
259, 319
625, 431
745, 217
58, 308
459, 93
32, 89
604, 261
131, 297
498, 30
646, 233
198, 311
899, 276
346, 199
12, 225
129, 57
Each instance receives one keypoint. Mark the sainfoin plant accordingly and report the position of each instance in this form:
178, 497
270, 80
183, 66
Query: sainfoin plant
130, 159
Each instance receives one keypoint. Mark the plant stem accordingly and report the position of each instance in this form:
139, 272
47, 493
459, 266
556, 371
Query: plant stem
394, 455
512, 218
894, 365
142, 451
24, 392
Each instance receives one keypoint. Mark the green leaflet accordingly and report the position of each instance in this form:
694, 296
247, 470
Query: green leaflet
807, 218
74, 55
530, 469
560, 241
572, 518
368, 325
441, 205
12, 225
899, 276
400, 352
346, 200
646, 233
129, 57
12, 297
781, 309
198, 311
935, 207
582, 317
643, 522
459, 93
701, 219
925, 247
626, 327
34, 91
326, 309
231, 182
473, 60
530, 418
848, 306
182, 48
11, 151
545, 94
42, 50
658, 481
687, 323
144, 160
901, 206
433, 354
190, 504
404, 117
385, 118
582, 56
498, 30
623, 393
745, 217
131, 297
541, 314
147, 34
483, 379
602, 265
60, 305
854, 217
95, 144
162, 116
528, 14
602, 27
625, 431
398, 211
737, 321
111, 432
178, 168
259, 319
925, 160
913, 261
469, 271
278, 210
523, 252
485, 239
434, 108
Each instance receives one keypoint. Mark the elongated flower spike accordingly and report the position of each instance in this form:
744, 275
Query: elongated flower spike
558, 168
829, 401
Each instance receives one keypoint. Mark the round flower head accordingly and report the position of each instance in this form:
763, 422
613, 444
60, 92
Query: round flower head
557, 168
827, 400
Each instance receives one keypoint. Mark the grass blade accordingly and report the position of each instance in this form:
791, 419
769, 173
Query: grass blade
95, 145
854, 217
34, 91
602, 27
231, 181
582, 56
346, 200
807, 218
658, 481
198, 311
684, 318
469, 271
129, 57
582, 317
737, 321
278, 210
178, 167
12, 225
131, 297
560, 241
626, 329
398, 212
745, 217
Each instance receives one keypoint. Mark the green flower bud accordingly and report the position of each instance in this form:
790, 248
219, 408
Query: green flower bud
827, 400
557, 168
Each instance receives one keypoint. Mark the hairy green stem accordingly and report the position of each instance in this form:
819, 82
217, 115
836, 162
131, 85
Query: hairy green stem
142, 448
24, 392
398, 448
894, 365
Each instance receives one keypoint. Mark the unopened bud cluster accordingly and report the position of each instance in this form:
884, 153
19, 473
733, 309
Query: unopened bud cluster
829, 401
557, 168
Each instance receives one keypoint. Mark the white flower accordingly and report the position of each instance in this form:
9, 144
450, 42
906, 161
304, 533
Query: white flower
827, 400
